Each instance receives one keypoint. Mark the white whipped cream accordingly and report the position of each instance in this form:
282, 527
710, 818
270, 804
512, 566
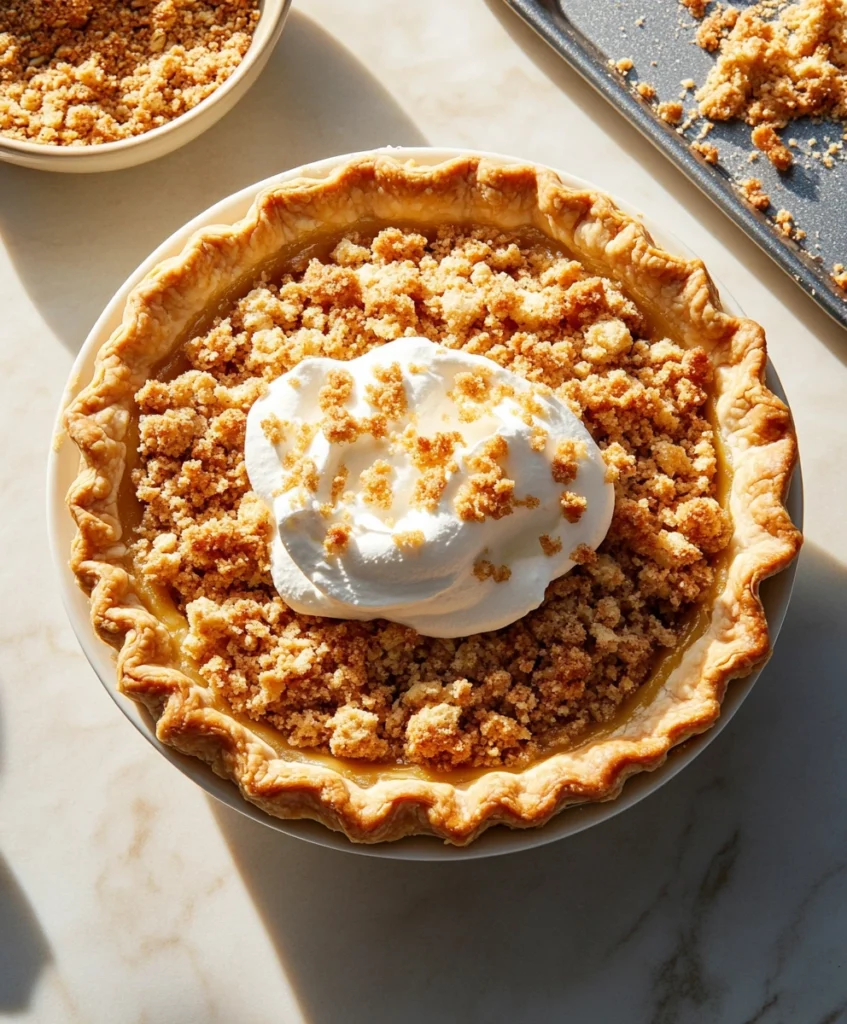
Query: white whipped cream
425, 567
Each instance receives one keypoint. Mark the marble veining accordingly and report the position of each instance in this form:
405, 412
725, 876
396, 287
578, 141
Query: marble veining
127, 895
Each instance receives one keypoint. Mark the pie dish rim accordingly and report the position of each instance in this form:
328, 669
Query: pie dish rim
212, 216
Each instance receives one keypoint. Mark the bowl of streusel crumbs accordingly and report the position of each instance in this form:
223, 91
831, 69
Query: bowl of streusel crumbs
87, 85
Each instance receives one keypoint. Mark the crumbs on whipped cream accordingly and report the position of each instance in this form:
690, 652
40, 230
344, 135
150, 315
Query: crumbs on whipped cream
445, 463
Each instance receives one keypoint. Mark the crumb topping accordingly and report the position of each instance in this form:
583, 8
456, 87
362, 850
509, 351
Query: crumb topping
488, 493
486, 570
80, 73
433, 457
378, 690
376, 484
409, 540
773, 68
550, 545
707, 151
336, 540
566, 459
670, 111
388, 394
753, 192
573, 506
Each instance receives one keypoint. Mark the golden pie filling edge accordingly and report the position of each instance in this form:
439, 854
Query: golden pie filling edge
373, 802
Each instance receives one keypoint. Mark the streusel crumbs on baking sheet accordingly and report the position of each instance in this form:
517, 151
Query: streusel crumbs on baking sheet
79, 72
381, 691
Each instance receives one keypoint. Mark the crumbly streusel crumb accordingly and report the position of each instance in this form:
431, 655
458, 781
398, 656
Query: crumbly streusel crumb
764, 137
550, 545
486, 570
566, 459
696, 8
573, 506
337, 538
379, 690
707, 151
376, 484
78, 73
388, 394
753, 192
488, 492
409, 540
775, 66
670, 111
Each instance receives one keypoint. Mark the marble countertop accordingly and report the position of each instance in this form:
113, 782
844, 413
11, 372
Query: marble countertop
127, 895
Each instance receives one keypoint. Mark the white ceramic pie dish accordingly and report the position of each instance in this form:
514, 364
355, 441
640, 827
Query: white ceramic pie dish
63, 468
113, 156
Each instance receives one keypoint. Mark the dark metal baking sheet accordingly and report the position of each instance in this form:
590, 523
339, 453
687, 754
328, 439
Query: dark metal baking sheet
658, 36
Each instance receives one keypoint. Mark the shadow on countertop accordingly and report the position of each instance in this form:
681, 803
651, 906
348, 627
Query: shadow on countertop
24, 951
74, 239
707, 901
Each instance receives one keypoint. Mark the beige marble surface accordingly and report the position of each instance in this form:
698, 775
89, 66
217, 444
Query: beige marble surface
127, 895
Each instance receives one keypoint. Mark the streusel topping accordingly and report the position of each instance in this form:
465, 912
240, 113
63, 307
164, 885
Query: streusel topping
381, 691
77, 73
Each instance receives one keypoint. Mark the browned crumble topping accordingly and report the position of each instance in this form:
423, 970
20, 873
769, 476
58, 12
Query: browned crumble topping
711, 32
550, 545
753, 192
538, 439
336, 540
696, 8
530, 501
302, 472
573, 506
388, 395
773, 69
646, 91
707, 151
274, 429
378, 690
77, 73
624, 65
488, 493
566, 459
839, 275
582, 554
670, 111
339, 482
485, 570
376, 484
785, 222
476, 393
409, 540
765, 138
433, 456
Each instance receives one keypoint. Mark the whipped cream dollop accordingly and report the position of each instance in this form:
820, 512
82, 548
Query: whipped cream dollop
423, 485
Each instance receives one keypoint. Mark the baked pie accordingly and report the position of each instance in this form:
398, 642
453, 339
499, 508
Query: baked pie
427, 498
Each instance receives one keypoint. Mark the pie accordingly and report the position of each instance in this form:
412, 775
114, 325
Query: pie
367, 725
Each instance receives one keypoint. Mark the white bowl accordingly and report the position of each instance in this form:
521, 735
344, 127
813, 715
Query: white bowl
113, 156
62, 470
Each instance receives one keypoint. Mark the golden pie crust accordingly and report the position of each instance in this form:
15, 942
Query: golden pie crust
385, 804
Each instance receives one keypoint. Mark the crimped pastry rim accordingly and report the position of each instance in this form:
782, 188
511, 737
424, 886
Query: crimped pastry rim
394, 808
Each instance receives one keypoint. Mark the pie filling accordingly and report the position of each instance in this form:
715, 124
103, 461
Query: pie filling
377, 696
